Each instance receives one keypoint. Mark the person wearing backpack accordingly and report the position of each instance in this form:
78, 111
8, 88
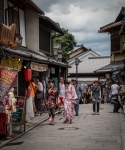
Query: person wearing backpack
96, 97
79, 92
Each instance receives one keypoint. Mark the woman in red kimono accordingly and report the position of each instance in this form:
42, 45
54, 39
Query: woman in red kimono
52, 98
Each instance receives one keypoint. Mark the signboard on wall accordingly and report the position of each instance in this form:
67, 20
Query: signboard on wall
6, 79
52, 70
7, 33
39, 67
10, 63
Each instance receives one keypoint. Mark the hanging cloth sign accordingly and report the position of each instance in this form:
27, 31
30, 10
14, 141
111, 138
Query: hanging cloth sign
39, 67
6, 79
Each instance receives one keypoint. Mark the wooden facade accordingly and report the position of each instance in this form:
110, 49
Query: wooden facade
117, 34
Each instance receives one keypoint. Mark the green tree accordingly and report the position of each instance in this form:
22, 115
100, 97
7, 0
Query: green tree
67, 41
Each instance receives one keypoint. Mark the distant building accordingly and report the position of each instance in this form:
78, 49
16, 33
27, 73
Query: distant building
90, 62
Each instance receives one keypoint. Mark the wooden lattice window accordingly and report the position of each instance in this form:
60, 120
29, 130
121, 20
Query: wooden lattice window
44, 40
115, 43
13, 17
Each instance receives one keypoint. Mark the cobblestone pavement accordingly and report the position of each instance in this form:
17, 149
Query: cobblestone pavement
88, 132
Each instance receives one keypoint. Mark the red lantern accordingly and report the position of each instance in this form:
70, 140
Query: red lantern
28, 74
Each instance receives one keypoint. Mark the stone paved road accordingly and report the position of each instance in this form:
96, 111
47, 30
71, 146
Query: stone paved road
88, 132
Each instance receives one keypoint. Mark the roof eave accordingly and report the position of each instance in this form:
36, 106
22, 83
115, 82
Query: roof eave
52, 24
107, 28
36, 7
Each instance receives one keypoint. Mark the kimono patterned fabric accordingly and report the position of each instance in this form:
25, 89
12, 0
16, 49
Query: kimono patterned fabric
70, 95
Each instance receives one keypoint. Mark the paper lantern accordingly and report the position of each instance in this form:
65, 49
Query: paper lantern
28, 74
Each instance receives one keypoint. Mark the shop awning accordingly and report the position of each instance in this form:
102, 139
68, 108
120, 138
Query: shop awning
111, 67
39, 67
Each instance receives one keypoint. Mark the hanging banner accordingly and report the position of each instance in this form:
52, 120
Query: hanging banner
39, 67
6, 79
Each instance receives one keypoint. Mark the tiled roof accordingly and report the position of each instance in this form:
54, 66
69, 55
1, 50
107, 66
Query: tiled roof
111, 67
81, 55
75, 48
34, 54
90, 65
49, 22
105, 28
26, 53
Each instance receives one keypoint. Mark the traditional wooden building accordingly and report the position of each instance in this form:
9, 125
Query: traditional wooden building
116, 30
33, 36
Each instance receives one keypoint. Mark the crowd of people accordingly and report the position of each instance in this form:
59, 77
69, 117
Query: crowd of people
69, 94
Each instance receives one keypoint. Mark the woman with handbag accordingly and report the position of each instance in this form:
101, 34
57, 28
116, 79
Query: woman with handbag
51, 102
69, 101
96, 97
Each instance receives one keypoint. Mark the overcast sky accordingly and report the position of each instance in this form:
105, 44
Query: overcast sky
83, 18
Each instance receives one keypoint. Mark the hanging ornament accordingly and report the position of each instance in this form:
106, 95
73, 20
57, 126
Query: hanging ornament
28, 74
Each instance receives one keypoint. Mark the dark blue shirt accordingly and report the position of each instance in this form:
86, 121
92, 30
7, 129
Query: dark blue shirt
78, 89
96, 92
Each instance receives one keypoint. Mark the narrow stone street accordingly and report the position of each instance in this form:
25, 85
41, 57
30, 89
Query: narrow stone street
99, 132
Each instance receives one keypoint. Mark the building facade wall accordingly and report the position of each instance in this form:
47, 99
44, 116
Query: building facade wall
118, 57
32, 30
22, 26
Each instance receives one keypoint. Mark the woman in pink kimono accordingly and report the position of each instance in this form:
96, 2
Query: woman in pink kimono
69, 101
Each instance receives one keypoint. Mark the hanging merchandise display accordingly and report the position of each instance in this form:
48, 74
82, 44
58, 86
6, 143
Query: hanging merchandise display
28, 75
10, 107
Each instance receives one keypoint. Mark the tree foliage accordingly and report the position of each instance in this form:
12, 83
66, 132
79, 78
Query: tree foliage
67, 41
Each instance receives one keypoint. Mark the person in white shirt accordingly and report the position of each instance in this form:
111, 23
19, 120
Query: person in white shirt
115, 88
61, 91
115, 97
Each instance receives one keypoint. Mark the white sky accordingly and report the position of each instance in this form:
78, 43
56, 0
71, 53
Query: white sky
83, 18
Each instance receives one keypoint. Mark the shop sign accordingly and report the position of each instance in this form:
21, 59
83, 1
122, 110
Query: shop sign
6, 79
52, 70
9, 63
7, 32
39, 67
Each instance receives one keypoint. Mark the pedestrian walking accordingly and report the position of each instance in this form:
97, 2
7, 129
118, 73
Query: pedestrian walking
106, 92
52, 100
96, 97
61, 92
84, 88
39, 96
33, 87
88, 94
79, 93
69, 101
115, 97
29, 103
